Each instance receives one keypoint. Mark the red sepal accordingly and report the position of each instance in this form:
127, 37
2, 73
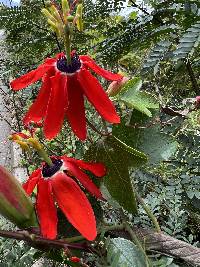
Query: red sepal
46, 210
90, 63
76, 110
30, 184
98, 169
38, 109
32, 76
57, 105
97, 96
85, 180
74, 205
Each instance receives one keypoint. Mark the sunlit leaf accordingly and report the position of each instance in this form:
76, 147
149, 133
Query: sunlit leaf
134, 98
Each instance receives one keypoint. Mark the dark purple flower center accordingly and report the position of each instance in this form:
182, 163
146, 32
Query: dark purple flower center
49, 171
69, 68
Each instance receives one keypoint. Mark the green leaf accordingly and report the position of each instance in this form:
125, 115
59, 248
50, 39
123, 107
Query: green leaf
129, 254
157, 145
135, 153
151, 140
118, 157
134, 84
134, 98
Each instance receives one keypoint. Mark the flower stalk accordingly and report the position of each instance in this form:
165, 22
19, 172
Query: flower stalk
40, 150
67, 42
137, 243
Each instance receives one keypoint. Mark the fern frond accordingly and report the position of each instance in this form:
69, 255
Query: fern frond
156, 55
188, 42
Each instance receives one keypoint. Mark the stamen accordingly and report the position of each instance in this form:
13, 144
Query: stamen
49, 171
69, 68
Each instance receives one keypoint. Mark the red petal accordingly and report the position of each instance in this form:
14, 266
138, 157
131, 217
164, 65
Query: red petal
97, 96
50, 61
46, 210
60, 55
32, 181
38, 109
85, 180
32, 76
76, 110
74, 205
89, 62
30, 185
98, 169
56, 106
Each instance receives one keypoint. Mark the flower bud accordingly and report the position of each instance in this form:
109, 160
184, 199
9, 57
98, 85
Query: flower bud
74, 259
55, 13
35, 143
79, 16
197, 104
18, 136
65, 9
54, 27
70, 18
116, 86
24, 146
15, 205
48, 15
20, 139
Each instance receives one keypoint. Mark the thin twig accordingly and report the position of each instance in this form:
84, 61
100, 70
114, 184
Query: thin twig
145, 12
105, 126
16, 113
192, 77
140, 8
47, 148
96, 130
149, 213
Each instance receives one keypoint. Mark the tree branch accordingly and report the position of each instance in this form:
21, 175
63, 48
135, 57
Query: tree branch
153, 241
43, 243
140, 8
165, 245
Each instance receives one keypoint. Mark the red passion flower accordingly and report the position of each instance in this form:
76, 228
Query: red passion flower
62, 93
57, 184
